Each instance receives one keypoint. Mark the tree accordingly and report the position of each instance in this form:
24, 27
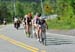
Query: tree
4, 11
19, 9
73, 5
35, 7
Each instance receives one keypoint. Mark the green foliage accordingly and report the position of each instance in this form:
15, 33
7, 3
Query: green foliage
19, 9
4, 13
65, 9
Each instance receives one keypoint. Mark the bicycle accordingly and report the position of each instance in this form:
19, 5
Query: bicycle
42, 36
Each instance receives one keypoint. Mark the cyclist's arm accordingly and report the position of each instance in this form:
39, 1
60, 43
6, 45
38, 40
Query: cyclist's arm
26, 21
46, 24
32, 22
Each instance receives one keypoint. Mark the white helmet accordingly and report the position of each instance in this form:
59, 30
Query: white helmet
26, 16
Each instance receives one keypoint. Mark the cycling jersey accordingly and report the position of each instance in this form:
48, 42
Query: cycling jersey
40, 21
28, 20
15, 19
41, 24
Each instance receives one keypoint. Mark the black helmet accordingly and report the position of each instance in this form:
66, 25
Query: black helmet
39, 14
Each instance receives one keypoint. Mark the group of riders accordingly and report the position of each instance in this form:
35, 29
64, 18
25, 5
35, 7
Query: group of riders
36, 25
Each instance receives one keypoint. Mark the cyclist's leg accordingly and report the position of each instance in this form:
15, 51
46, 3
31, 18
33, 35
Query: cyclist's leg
24, 24
17, 25
29, 30
37, 32
26, 29
14, 24
43, 36
40, 34
33, 31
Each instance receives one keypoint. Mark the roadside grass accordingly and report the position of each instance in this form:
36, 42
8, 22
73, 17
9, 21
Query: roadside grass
62, 23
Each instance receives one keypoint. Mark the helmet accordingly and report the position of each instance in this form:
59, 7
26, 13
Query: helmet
26, 16
42, 18
39, 14
29, 14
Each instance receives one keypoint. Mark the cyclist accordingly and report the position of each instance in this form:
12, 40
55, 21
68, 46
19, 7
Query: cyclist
24, 21
15, 22
36, 22
4, 21
42, 29
18, 23
41, 26
34, 26
28, 24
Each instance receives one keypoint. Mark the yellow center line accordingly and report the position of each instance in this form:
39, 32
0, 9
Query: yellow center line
20, 44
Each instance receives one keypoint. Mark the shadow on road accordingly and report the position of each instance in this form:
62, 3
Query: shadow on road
58, 41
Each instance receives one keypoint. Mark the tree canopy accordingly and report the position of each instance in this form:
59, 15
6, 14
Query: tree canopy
65, 9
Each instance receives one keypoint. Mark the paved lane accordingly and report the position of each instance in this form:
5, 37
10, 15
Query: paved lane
55, 42
7, 47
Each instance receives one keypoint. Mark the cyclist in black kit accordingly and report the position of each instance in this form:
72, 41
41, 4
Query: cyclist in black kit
28, 24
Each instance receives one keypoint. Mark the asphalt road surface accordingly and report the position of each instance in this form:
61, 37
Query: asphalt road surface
13, 40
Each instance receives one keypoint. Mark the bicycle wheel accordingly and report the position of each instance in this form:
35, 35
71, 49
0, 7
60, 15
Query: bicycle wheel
43, 37
30, 32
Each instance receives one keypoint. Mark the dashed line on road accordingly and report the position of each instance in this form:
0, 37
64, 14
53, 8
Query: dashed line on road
20, 44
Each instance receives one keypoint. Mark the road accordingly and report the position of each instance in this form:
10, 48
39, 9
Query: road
13, 40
